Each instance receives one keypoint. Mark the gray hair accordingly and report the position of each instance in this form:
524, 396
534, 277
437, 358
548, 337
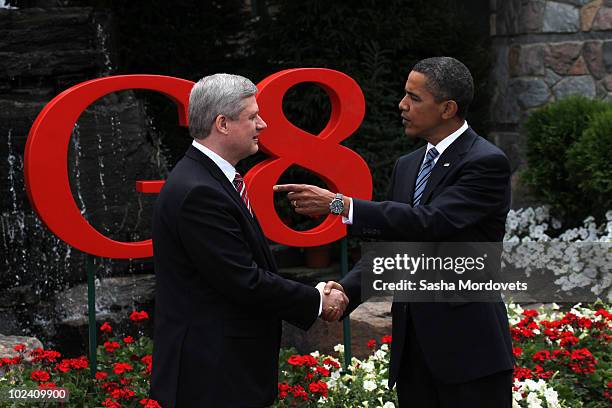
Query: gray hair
218, 94
448, 79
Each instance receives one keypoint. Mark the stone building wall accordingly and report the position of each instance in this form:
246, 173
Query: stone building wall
542, 51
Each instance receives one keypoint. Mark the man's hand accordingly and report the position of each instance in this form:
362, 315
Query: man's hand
309, 200
334, 301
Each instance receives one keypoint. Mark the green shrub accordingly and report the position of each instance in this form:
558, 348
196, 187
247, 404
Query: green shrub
590, 162
551, 132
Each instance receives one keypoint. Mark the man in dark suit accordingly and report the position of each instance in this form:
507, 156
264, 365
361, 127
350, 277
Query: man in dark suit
454, 189
219, 299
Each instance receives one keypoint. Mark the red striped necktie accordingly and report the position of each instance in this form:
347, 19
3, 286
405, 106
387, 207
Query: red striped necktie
241, 188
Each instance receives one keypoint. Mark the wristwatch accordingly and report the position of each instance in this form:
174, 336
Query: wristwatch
337, 205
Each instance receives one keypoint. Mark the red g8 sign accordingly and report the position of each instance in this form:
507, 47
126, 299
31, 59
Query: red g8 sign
46, 156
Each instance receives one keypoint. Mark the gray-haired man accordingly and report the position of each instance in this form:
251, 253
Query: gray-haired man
219, 299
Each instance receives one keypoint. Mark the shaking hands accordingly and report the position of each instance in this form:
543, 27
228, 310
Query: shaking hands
334, 301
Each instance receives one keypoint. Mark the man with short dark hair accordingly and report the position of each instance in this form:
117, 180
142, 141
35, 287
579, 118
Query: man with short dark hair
219, 300
454, 189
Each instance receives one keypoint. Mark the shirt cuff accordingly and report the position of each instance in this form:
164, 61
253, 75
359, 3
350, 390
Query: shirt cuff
320, 287
349, 220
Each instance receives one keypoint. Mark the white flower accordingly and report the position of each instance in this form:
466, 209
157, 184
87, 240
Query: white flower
388, 404
552, 398
369, 385
533, 401
333, 379
380, 354
368, 366
384, 347
315, 354
339, 348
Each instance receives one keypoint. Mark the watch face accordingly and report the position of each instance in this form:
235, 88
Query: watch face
336, 206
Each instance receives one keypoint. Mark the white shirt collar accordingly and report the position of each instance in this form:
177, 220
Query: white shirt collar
224, 165
447, 141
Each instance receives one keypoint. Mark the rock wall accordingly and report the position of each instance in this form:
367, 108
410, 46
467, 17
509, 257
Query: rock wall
543, 51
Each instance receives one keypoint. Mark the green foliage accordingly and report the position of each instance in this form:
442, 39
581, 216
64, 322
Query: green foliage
552, 131
376, 43
590, 161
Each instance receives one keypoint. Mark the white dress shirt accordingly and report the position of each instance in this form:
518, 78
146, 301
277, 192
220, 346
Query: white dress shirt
230, 173
440, 147
224, 165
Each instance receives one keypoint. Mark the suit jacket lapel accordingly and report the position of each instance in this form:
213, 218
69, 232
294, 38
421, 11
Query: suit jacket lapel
451, 157
216, 172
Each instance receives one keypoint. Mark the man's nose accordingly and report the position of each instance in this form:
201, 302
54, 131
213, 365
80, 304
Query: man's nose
403, 105
261, 124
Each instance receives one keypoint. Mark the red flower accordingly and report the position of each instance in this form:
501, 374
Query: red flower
295, 360
122, 393
569, 318
585, 322
560, 353
19, 348
120, 368
149, 403
520, 373
46, 386
63, 366
109, 403
39, 354
106, 328
111, 346
539, 371
299, 392
530, 313
283, 388
307, 360
568, 339
128, 339
139, 316
75, 363
101, 375
40, 376
79, 363
541, 355
148, 361
371, 343
318, 387
517, 351
330, 362
386, 339
323, 371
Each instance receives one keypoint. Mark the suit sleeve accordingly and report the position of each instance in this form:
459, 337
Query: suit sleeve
479, 192
215, 243
352, 281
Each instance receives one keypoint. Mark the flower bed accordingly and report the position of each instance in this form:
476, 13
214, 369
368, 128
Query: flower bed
563, 360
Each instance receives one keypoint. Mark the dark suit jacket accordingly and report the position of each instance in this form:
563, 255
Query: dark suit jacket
466, 201
219, 301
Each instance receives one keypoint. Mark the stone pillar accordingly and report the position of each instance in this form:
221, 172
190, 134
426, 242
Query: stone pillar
542, 51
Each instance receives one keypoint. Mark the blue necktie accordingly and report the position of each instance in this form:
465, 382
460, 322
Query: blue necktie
424, 173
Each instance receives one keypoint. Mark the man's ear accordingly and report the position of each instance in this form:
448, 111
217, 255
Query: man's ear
450, 109
221, 124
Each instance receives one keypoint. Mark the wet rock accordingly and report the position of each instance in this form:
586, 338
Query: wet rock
371, 320
579, 85
603, 19
560, 18
116, 298
8, 343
